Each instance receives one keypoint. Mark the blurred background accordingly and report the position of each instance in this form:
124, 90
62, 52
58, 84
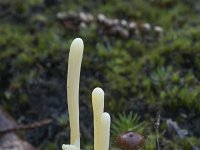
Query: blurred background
145, 54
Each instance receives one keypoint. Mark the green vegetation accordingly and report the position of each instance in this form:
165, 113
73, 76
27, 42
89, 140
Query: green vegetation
123, 123
138, 76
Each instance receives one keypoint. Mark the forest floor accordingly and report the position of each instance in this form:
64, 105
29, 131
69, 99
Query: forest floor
144, 54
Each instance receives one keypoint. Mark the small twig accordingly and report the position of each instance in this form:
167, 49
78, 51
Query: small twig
157, 132
28, 126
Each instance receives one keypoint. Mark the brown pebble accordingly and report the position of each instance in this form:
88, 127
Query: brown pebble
130, 141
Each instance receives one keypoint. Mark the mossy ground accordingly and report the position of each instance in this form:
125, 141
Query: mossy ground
145, 77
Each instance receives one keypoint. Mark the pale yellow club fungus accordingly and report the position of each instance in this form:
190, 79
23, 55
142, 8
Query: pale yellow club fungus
101, 118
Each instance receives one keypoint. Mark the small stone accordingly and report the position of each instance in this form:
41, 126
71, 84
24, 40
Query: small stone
101, 18
124, 23
158, 29
116, 22
132, 25
130, 141
146, 26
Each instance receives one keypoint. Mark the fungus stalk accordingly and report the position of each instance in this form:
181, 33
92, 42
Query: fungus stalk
74, 67
101, 119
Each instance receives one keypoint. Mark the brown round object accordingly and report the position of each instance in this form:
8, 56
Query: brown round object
130, 141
